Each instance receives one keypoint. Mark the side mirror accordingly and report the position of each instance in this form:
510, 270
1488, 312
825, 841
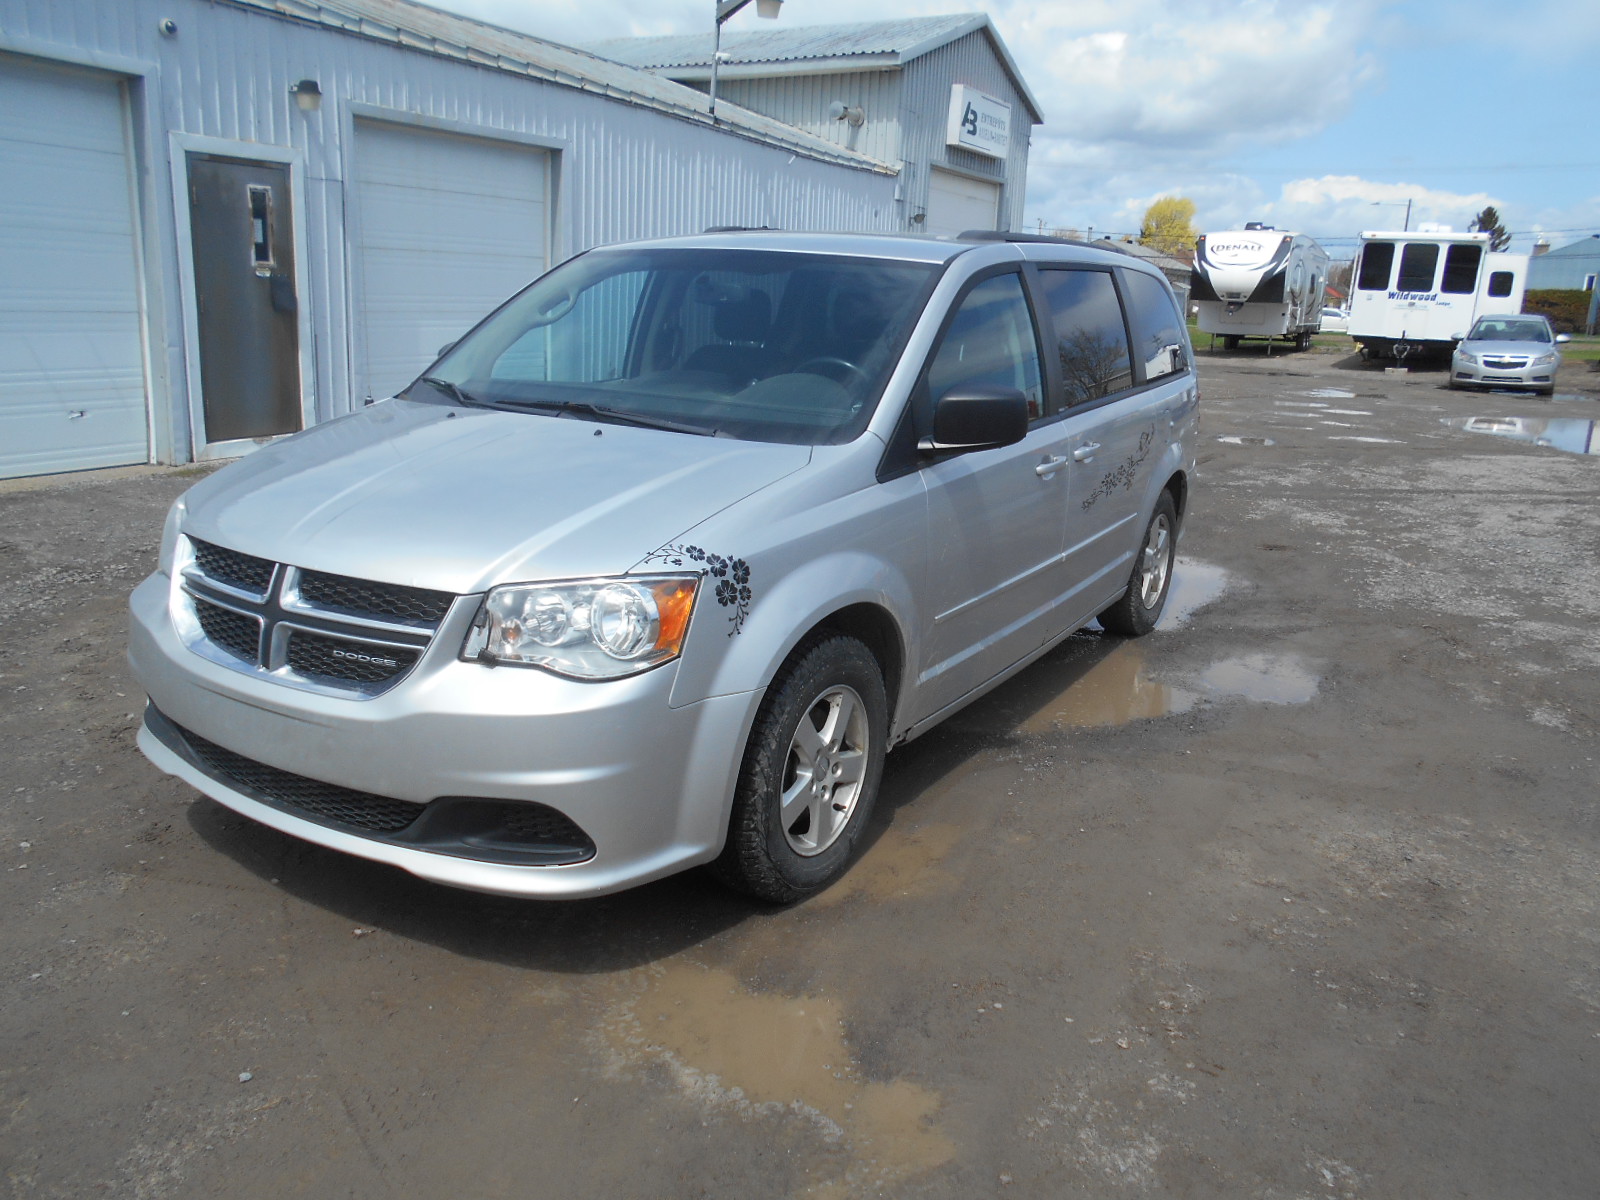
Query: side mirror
446, 348
975, 417
1563, 337
1458, 337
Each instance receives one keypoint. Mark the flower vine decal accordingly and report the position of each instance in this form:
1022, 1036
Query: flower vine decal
1126, 472
732, 576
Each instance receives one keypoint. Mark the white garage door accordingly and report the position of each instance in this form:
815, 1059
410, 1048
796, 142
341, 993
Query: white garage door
449, 228
72, 392
956, 203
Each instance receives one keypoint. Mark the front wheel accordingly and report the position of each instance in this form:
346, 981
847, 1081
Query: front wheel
1137, 610
810, 772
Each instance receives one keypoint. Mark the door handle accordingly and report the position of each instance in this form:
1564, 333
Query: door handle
1050, 466
1085, 452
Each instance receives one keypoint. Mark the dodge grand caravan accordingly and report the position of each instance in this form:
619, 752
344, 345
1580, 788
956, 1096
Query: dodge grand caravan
653, 566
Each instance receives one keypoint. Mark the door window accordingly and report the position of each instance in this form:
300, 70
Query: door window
1091, 336
1157, 330
991, 342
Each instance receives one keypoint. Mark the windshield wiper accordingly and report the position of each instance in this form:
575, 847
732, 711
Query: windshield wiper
601, 412
453, 390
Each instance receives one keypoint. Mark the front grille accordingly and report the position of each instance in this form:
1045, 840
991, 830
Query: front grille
326, 802
1505, 363
230, 567
365, 598
337, 658
312, 630
238, 634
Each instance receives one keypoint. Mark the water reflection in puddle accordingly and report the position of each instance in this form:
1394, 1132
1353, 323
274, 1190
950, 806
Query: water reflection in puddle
1194, 585
1233, 439
1571, 434
1265, 678
1329, 394
1346, 412
1299, 404
1113, 692
772, 1055
1376, 441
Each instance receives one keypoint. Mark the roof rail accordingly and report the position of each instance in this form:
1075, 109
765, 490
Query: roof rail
991, 235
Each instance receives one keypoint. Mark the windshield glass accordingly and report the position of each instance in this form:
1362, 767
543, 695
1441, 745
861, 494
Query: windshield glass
760, 345
1497, 329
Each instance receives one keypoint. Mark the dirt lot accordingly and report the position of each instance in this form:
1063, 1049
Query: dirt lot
1295, 898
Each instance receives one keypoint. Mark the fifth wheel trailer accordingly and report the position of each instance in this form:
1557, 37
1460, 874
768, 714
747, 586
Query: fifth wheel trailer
1415, 295
1259, 282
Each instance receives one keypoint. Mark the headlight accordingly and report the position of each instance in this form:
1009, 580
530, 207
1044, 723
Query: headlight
1470, 359
585, 628
1544, 360
169, 538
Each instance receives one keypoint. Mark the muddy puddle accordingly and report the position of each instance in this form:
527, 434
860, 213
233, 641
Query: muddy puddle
1115, 691
1571, 434
1263, 678
1329, 394
1233, 439
1194, 585
1299, 404
1375, 441
767, 1055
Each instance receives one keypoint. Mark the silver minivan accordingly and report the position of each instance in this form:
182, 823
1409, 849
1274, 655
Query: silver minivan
653, 567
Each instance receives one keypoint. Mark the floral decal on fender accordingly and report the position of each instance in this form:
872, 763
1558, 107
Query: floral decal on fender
1126, 472
732, 576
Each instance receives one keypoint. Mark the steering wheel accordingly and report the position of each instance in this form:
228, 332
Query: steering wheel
847, 369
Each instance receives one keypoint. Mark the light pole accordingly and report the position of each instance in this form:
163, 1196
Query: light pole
1406, 228
725, 9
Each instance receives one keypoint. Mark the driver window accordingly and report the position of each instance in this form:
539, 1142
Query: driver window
990, 342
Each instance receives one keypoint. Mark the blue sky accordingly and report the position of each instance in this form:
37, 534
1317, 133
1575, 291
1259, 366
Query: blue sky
1324, 117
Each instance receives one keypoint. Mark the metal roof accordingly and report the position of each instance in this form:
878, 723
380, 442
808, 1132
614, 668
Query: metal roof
863, 46
447, 35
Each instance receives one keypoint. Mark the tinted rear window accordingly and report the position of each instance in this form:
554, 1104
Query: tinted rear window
1461, 270
1156, 327
1418, 261
1377, 260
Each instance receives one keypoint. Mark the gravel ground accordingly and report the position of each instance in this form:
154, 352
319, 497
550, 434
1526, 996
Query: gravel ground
1294, 898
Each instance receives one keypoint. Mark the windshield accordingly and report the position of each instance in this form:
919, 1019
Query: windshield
760, 345
1492, 329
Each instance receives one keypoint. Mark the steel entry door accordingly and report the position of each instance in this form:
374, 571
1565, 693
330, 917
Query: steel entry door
242, 226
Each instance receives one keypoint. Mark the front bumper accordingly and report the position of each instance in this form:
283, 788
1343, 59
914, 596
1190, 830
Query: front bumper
1477, 375
648, 785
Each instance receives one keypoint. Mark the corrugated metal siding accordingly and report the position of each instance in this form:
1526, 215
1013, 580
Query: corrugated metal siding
803, 100
625, 170
925, 107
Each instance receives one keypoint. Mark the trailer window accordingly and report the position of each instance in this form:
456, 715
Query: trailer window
1418, 262
1500, 283
1461, 269
1377, 260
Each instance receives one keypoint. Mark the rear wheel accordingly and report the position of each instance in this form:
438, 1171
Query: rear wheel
810, 772
1138, 609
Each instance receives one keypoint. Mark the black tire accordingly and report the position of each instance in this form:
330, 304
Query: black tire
1229, 342
1137, 610
828, 677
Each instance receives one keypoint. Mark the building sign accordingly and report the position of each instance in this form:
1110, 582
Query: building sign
978, 122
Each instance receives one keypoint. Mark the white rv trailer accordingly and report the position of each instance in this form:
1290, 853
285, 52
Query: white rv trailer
1415, 295
1259, 282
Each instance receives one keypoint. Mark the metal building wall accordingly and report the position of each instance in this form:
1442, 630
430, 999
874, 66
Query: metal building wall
622, 170
803, 101
925, 105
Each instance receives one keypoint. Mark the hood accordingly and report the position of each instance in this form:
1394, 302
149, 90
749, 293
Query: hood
458, 499
1494, 348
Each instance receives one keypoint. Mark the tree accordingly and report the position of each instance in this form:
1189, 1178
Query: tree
1488, 221
1167, 225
